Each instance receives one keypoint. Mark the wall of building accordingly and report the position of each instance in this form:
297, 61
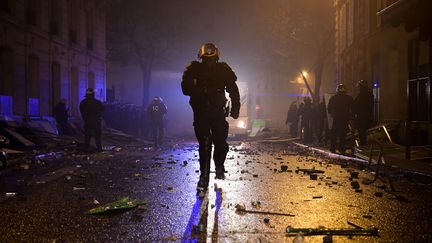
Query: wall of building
379, 53
56, 49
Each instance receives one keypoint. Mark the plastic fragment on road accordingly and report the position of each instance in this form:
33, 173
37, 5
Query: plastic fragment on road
124, 203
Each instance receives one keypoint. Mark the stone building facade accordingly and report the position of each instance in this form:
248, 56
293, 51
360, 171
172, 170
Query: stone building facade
49, 50
395, 59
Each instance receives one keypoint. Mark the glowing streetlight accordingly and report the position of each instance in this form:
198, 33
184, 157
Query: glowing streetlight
304, 73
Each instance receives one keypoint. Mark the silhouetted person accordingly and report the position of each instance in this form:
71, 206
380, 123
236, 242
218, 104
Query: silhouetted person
320, 117
363, 108
206, 82
300, 113
61, 114
156, 111
293, 119
91, 111
339, 107
307, 119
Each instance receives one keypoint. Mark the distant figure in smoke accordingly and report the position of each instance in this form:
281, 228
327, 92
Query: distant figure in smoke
91, 111
339, 107
320, 117
300, 114
293, 119
205, 82
61, 114
307, 119
156, 111
363, 108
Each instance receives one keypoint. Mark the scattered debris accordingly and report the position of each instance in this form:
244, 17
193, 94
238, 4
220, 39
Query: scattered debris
242, 209
317, 231
354, 174
355, 185
352, 224
78, 188
378, 194
310, 171
11, 194
256, 204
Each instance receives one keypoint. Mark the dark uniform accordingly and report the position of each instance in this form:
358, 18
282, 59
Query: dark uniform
61, 115
320, 117
91, 111
339, 107
156, 111
293, 119
205, 82
363, 108
307, 114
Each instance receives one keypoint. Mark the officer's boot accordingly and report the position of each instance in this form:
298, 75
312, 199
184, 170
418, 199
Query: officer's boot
219, 159
205, 153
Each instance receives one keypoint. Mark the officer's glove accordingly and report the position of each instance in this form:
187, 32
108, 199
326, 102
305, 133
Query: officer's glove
235, 114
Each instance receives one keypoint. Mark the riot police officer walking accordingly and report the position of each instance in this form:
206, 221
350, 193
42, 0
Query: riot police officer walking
339, 107
156, 111
91, 111
206, 82
363, 107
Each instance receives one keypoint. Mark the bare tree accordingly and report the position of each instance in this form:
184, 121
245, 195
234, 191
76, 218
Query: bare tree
302, 33
136, 35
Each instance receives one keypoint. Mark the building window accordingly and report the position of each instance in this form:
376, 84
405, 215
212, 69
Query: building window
419, 99
32, 12
6, 6
343, 27
89, 30
350, 24
56, 83
55, 11
74, 20
33, 85
6, 71
91, 80
74, 82
6, 81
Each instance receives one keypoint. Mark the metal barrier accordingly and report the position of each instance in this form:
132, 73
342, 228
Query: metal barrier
379, 160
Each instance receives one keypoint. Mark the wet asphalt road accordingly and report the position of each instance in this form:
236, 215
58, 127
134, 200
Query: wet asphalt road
53, 194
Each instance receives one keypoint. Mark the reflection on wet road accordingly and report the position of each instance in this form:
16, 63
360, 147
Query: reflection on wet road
268, 187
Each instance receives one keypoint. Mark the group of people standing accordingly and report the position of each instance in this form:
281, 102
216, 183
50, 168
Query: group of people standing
333, 122
92, 109
311, 116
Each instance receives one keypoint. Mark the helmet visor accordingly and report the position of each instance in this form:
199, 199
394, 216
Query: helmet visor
208, 50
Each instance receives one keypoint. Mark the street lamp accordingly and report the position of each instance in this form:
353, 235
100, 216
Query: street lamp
305, 74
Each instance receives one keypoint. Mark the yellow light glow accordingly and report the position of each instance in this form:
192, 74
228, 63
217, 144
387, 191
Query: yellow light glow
241, 124
305, 73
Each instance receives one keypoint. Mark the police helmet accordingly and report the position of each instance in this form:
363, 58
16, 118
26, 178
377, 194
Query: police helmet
341, 88
157, 99
363, 83
208, 50
90, 92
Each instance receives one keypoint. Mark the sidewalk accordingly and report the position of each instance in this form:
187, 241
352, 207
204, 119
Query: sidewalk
397, 160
